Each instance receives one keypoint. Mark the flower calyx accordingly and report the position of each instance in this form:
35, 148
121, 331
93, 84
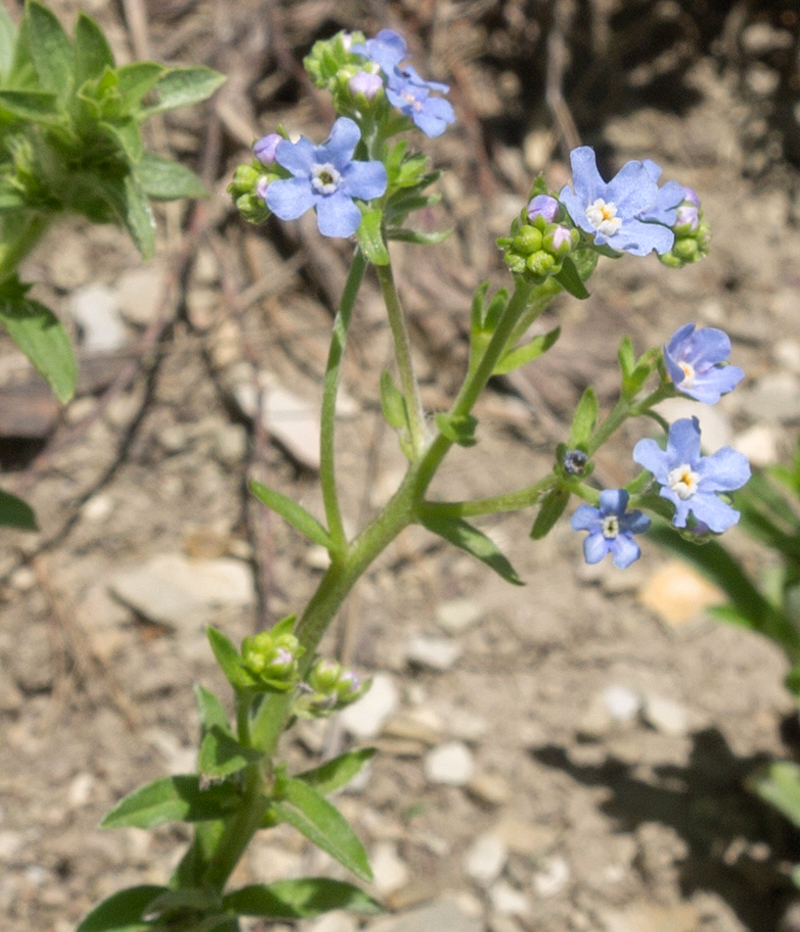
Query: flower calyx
327, 689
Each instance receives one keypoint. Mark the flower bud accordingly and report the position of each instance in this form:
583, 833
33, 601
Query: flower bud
272, 658
560, 240
541, 263
543, 205
365, 84
264, 149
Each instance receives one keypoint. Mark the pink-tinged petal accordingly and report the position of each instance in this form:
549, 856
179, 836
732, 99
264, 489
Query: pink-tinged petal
289, 198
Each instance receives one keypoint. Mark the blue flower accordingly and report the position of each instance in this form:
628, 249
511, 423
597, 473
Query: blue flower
543, 206
612, 211
326, 178
264, 148
691, 481
405, 89
694, 360
610, 528
668, 197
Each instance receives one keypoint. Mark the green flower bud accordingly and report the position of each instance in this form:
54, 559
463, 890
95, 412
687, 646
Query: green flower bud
541, 264
272, 658
527, 241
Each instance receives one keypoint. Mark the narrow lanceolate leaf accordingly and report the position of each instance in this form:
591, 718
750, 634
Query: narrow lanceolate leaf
323, 824
16, 513
392, 403
182, 87
134, 81
370, 237
50, 47
126, 134
138, 218
475, 542
522, 355
221, 754
41, 337
92, 52
418, 237
336, 773
550, 511
8, 32
299, 899
584, 420
229, 660
172, 799
779, 785
122, 911
212, 712
164, 180
38, 106
295, 514
570, 280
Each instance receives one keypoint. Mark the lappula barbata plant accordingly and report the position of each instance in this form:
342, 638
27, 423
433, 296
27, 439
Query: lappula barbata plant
71, 141
365, 183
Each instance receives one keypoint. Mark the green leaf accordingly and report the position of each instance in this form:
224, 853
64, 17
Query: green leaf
779, 785
584, 419
50, 48
323, 824
627, 358
172, 799
122, 911
570, 280
92, 52
164, 180
497, 305
475, 542
138, 218
295, 514
300, 899
336, 773
133, 82
522, 355
41, 337
460, 429
212, 712
37, 106
370, 237
195, 862
8, 33
14, 512
229, 660
221, 754
182, 87
126, 134
478, 306
194, 898
418, 237
551, 509
392, 403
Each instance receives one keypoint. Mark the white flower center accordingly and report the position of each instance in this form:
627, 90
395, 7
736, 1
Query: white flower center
610, 526
603, 217
683, 481
324, 178
688, 374
416, 105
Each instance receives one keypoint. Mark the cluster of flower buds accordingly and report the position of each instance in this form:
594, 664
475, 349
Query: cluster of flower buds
539, 241
271, 657
692, 233
327, 689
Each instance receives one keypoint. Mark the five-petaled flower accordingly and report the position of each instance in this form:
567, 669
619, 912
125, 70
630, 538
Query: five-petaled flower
405, 89
616, 212
691, 481
327, 178
611, 528
695, 363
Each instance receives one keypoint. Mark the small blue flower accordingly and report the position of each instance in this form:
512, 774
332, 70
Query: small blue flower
326, 178
611, 211
610, 528
405, 89
665, 207
264, 148
691, 481
543, 205
694, 360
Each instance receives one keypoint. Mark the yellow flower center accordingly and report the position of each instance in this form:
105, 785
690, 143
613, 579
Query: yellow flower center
603, 217
683, 481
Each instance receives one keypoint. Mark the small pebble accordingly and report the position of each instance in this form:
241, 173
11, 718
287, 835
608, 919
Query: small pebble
389, 870
432, 653
450, 764
485, 860
457, 615
508, 901
665, 715
552, 876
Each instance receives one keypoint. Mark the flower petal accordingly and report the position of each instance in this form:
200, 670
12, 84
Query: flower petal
634, 522
613, 502
288, 198
711, 386
723, 471
595, 547
711, 346
714, 512
632, 189
625, 550
648, 453
640, 238
586, 518
683, 442
337, 215
364, 180
586, 179
338, 148
296, 157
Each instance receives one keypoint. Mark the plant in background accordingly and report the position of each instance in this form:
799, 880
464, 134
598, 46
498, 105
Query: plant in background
366, 183
71, 141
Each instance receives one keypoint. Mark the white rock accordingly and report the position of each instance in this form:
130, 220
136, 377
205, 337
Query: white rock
173, 590
787, 354
95, 308
365, 719
622, 702
485, 860
336, 921
434, 653
759, 444
10, 843
389, 870
775, 397
80, 790
551, 878
451, 764
665, 715
508, 901
458, 614
140, 292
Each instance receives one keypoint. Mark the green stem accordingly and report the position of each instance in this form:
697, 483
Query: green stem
626, 408
341, 324
402, 348
511, 501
